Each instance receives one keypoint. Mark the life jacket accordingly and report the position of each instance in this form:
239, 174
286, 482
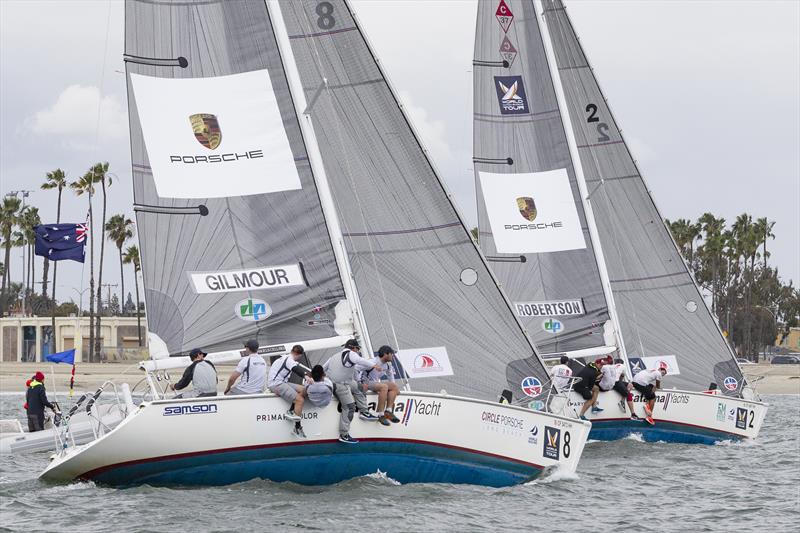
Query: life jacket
31, 383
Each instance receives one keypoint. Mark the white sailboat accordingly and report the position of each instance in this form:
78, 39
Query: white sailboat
307, 213
576, 240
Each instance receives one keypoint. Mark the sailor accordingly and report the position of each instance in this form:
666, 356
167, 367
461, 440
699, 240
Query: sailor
341, 369
278, 383
251, 369
646, 382
35, 402
201, 374
382, 383
611, 378
320, 392
560, 374
587, 387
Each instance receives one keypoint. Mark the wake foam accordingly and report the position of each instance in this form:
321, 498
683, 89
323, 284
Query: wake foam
383, 478
551, 475
636, 437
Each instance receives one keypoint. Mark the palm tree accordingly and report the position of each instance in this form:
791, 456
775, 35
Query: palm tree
119, 229
713, 248
85, 185
132, 257
57, 179
9, 216
28, 219
99, 173
764, 231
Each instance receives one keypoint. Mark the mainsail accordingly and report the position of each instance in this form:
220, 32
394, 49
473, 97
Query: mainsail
532, 224
661, 311
233, 242
422, 283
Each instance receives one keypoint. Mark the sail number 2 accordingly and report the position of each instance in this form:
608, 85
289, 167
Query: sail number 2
325, 12
602, 127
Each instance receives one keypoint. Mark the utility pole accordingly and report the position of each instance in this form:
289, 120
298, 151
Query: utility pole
108, 286
25, 280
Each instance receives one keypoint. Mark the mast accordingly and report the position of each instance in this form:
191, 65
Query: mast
581, 181
318, 170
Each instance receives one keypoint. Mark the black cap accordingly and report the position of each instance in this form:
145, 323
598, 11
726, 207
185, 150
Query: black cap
352, 343
195, 352
385, 349
252, 345
298, 349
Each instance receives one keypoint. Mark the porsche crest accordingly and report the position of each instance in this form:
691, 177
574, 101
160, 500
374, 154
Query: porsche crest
206, 130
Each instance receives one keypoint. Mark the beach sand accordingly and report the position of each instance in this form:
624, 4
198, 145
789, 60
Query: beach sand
777, 379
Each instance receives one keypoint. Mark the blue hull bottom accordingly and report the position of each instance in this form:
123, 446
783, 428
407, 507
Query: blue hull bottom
323, 463
662, 431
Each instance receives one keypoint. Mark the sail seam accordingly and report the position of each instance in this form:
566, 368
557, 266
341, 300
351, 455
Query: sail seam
402, 231
320, 34
599, 144
647, 277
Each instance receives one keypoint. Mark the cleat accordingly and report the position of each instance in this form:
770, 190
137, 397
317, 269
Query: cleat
369, 417
298, 432
347, 439
596, 409
650, 421
393, 419
290, 416
384, 421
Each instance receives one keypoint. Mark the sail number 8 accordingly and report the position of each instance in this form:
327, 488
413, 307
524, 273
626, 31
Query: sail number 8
325, 12
567, 439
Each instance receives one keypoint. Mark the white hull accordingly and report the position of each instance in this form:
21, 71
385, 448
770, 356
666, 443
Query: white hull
680, 416
213, 441
83, 429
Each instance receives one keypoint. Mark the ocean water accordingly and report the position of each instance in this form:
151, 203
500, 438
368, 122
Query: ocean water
623, 485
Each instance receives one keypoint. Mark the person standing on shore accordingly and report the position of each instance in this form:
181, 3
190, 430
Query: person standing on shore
35, 402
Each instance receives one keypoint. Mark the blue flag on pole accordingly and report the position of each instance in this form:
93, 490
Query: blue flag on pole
62, 357
58, 242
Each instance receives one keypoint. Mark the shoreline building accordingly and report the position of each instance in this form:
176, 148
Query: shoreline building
27, 339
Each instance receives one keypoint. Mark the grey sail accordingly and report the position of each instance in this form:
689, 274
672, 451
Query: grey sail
556, 289
242, 236
660, 309
407, 245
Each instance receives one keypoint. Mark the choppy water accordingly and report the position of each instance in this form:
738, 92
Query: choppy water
727, 487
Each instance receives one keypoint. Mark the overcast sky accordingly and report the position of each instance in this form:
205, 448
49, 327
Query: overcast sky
707, 93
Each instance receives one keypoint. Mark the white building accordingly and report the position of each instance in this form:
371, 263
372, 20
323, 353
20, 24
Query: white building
28, 338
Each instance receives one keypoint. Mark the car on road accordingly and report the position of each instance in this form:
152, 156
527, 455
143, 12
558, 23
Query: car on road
786, 360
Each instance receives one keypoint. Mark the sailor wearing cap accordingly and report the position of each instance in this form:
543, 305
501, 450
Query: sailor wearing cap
382, 383
342, 369
278, 383
201, 374
253, 372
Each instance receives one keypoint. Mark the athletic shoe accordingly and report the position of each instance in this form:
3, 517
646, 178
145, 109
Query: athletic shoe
634, 417
366, 415
621, 405
347, 439
647, 410
384, 421
650, 420
298, 432
583, 417
290, 416
596, 409
391, 417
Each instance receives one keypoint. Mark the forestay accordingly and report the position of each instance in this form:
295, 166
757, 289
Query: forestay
423, 285
532, 224
233, 241
660, 308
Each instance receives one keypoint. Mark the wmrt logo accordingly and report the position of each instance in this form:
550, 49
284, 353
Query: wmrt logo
252, 310
426, 363
533, 435
731, 383
206, 129
741, 418
511, 95
201, 409
531, 386
552, 438
527, 208
551, 325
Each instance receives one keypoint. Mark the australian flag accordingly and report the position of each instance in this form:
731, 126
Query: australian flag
58, 242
